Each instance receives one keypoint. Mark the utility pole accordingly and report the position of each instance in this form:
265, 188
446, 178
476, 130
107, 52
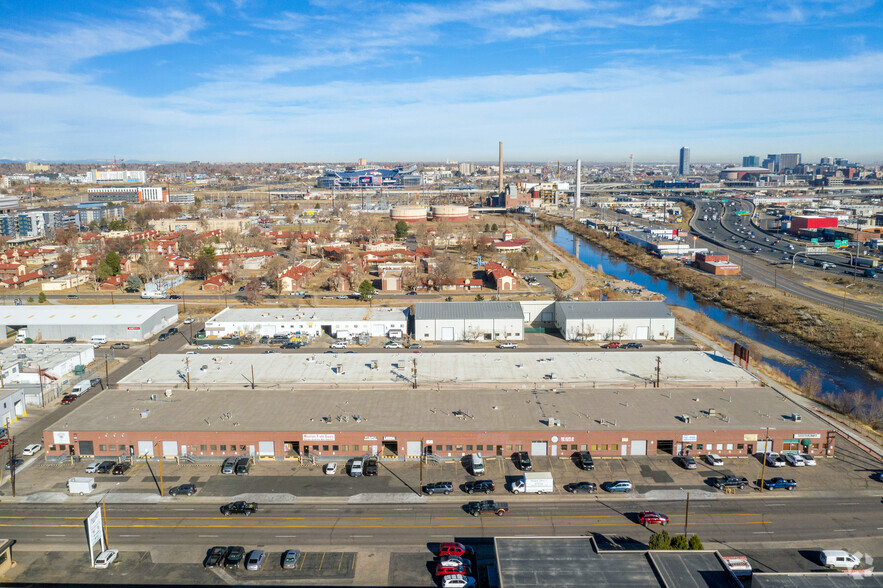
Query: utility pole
11, 447
184, 302
149, 349
40, 377
252, 376
104, 519
187, 358
1, 375
106, 372
159, 453
111, 301
687, 514
422, 450
766, 448
414, 373
658, 368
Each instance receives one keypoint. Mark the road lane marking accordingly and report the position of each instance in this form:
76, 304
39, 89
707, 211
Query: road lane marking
208, 535
763, 532
183, 509
56, 535
130, 535
286, 536
848, 503
843, 530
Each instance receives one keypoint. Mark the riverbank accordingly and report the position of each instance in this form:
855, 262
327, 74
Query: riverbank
834, 332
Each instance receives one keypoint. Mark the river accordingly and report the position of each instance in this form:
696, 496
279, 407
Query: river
838, 376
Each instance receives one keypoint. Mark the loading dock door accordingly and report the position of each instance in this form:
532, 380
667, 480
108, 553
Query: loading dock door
642, 333
377, 330
145, 448
764, 446
169, 448
538, 448
447, 334
266, 449
413, 448
639, 447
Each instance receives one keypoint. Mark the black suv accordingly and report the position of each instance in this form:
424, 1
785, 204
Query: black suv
70, 340
242, 466
523, 460
105, 467
370, 468
584, 460
240, 507
439, 487
172, 330
486, 486
234, 556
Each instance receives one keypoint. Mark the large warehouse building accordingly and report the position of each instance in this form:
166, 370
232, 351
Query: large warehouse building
603, 321
340, 321
117, 322
340, 405
468, 321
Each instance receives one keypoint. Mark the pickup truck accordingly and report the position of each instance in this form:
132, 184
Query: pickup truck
487, 507
777, 483
730, 482
239, 507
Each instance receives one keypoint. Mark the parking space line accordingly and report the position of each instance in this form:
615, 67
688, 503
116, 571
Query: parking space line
321, 562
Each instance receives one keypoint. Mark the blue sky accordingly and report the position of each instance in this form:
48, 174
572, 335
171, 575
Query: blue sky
329, 80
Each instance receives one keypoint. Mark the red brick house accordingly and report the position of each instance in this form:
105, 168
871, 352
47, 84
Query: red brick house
215, 283
500, 278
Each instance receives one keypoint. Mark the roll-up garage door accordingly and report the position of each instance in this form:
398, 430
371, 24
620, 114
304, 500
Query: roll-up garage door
266, 449
145, 448
377, 330
642, 333
413, 448
86, 448
447, 334
639, 448
169, 448
538, 448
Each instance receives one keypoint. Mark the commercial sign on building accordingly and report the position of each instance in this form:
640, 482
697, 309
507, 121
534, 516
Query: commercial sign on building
749, 437
807, 435
370, 438
134, 328
61, 437
318, 437
567, 439
687, 438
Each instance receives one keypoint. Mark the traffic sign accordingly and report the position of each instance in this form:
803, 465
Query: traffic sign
813, 250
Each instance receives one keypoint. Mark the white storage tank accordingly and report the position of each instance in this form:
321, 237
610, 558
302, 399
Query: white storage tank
450, 212
409, 214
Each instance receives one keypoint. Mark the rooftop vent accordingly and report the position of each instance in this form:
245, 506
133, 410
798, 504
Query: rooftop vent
145, 414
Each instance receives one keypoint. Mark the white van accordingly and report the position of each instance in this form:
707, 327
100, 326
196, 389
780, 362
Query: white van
98, 339
477, 464
837, 558
81, 388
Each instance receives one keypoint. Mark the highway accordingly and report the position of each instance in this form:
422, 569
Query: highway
779, 517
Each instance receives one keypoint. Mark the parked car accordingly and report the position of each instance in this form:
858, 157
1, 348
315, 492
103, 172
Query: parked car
163, 336
779, 483
205, 346
808, 459
441, 570
92, 467
583, 487
290, 559
188, 320
120, 469
31, 449
714, 459
453, 560
234, 556
795, 460
338, 345
229, 465
522, 459
225, 346
392, 345
106, 558
370, 468
105, 467
729, 482
356, 467
119, 346
15, 463
612, 345
507, 346
70, 340
72, 297
838, 558
687, 462
486, 486
172, 330
774, 460
457, 581
652, 518
633, 345
415, 346
457, 549
439, 488
585, 461
95, 382
618, 486
183, 489
256, 560
242, 466
68, 398
331, 468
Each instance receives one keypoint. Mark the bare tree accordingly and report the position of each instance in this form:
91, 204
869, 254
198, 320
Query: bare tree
272, 269
188, 244
235, 271
621, 331
253, 292
152, 264
516, 261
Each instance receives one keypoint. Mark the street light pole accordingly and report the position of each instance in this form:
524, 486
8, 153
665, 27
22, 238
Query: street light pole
766, 447
687, 514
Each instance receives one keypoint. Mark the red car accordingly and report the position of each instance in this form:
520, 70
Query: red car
457, 549
612, 345
652, 518
4, 442
441, 570
68, 399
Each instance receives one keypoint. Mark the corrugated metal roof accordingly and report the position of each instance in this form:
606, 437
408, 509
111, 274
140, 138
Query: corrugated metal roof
606, 309
468, 310
83, 314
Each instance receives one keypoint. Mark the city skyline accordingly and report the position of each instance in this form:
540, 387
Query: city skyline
256, 81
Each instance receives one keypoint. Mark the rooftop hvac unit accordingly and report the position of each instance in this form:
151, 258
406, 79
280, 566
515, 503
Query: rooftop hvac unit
145, 414
168, 393
153, 397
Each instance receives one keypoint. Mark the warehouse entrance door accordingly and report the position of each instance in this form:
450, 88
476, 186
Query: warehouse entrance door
665, 446
413, 449
390, 449
292, 448
145, 448
266, 449
377, 330
169, 448
642, 333
447, 334
538, 448
639, 448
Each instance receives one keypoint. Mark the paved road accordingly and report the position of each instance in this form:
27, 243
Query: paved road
579, 279
776, 517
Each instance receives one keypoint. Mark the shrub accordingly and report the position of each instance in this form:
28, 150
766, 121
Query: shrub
41, 298
679, 542
660, 541
696, 543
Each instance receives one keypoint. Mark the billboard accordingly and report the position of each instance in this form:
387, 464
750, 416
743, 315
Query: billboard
95, 533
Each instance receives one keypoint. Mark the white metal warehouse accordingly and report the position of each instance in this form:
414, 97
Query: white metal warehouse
343, 321
468, 321
634, 320
117, 322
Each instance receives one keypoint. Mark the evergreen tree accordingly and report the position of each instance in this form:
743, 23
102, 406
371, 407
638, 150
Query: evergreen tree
696, 543
679, 542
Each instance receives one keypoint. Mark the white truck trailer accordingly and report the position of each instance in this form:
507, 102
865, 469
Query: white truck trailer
537, 482
80, 485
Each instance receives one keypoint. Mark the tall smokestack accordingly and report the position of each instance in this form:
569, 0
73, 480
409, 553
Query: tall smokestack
577, 193
501, 168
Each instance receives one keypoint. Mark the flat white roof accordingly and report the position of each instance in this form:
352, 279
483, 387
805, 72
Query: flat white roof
83, 314
521, 369
319, 314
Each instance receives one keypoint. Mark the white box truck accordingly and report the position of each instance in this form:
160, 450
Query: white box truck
82, 387
80, 485
21, 336
537, 482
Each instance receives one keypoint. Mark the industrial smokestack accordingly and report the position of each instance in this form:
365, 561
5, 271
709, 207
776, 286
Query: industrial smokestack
501, 168
577, 193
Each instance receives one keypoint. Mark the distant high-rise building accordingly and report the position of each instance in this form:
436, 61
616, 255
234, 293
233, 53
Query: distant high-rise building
467, 169
839, 161
751, 161
363, 162
788, 161
825, 161
684, 162
771, 162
